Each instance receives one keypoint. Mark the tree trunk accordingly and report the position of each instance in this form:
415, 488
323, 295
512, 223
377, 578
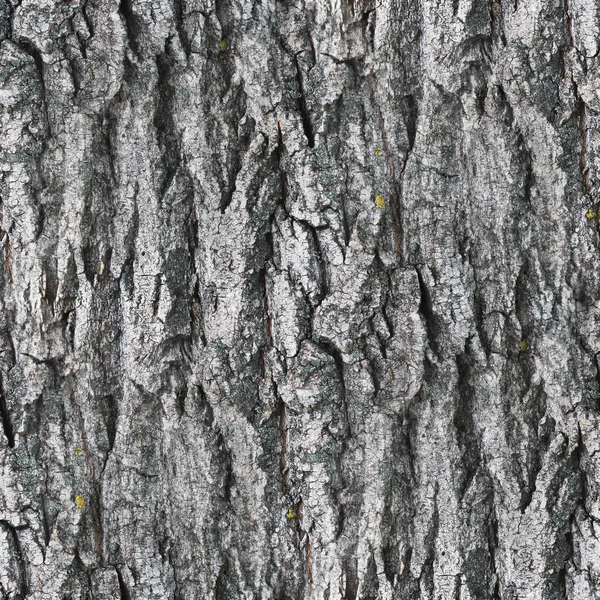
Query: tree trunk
299, 299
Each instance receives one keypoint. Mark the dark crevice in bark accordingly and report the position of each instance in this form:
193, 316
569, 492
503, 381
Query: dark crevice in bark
130, 22
302, 105
570, 552
7, 425
243, 143
45, 519
305, 539
478, 296
464, 422
389, 291
264, 288
11, 344
83, 574
226, 467
569, 23
221, 585
389, 554
352, 581
40, 221
521, 297
480, 93
345, 222
375, 362
411, 121
176, 593
497, 21
156, 294
504, 106
166, 130
283, 465
330, 349
426, 577
31, 49
74, 61
196, 314
126, 275
180, 398
579, 449
527, 492
95, 486
457, 586
88, 22
123, 589
321, 262
382, 342
50, 270
492, 547
90, 262
534, 410
341, 519
106, 126
370, 587
597, 394
526, 163
112, 417
178, 13
8, 22
455, 7
279, 155
426, 311
208, 416
369, 23
583, 157
23, 581
265, 296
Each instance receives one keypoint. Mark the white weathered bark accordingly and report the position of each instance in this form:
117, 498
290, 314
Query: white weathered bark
299, 299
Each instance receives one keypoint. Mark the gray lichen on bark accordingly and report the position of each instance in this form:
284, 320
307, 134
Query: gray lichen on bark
299, 299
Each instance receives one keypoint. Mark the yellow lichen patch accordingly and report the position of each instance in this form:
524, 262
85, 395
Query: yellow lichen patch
291, 514
379, 201
79, 501
523, 345
223, 45
78, 451
378, 151
591, 213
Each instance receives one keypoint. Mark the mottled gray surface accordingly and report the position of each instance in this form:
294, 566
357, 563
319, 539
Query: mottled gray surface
300, 299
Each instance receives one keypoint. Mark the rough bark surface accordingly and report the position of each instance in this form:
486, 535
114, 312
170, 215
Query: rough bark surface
300, 299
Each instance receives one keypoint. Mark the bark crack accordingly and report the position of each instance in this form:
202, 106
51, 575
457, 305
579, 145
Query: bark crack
7, 425
302, 105
23, 581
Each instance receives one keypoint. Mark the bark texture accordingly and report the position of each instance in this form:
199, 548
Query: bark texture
299, 299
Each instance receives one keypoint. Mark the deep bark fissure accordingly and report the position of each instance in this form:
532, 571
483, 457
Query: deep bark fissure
330, 349
303, 106
34, 52
7, 425
21, 559
130, 23
123, 589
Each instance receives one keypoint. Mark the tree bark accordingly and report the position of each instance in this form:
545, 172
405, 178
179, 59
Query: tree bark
299, 299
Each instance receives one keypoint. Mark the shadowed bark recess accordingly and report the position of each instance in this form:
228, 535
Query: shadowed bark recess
299, 300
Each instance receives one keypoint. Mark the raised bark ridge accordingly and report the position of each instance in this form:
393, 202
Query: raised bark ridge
299, 299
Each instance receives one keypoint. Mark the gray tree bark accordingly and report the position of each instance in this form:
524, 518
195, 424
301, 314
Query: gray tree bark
300, 299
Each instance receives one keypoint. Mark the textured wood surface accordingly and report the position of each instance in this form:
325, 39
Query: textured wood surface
299, 299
